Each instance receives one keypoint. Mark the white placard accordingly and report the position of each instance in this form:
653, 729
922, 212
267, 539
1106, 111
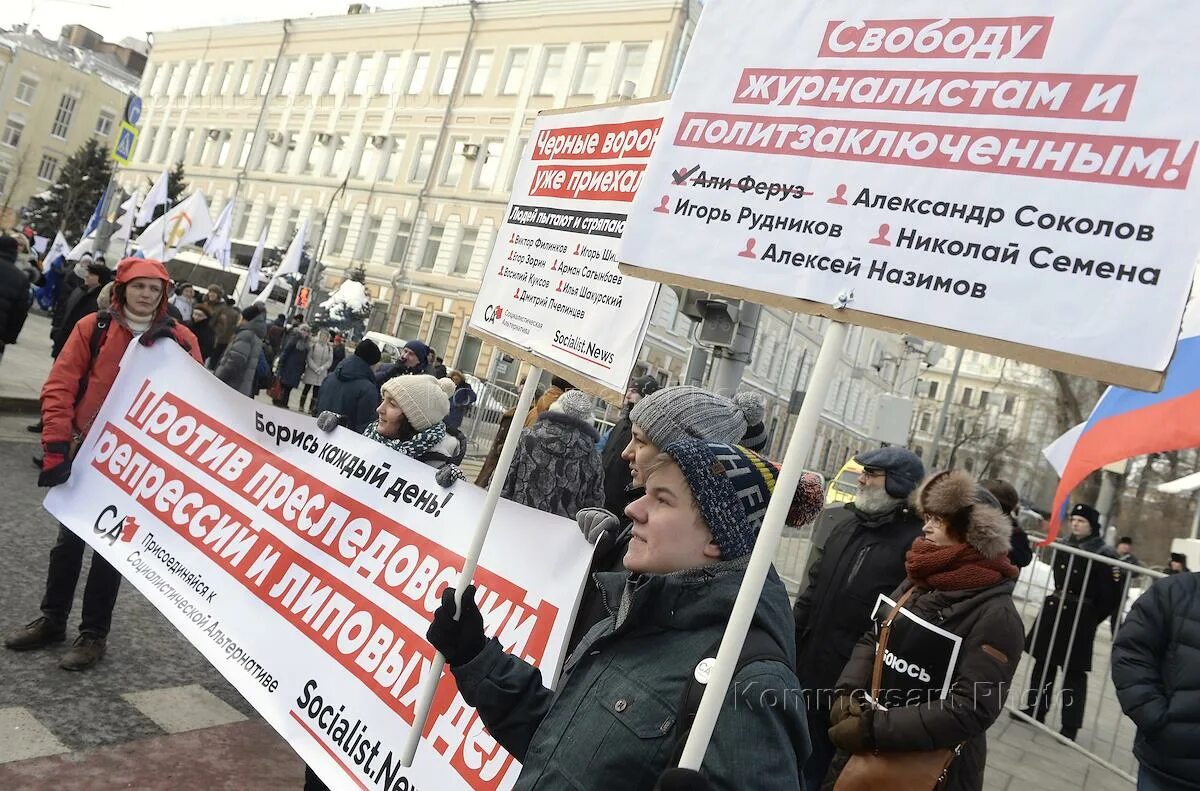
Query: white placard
307, 572
1020, 171
552, 287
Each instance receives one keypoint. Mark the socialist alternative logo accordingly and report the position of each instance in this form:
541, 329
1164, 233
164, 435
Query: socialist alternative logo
492, 313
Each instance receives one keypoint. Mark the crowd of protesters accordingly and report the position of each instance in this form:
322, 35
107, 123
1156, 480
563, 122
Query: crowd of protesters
916, 573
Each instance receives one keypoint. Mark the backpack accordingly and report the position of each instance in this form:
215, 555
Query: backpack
103, 319
759, 647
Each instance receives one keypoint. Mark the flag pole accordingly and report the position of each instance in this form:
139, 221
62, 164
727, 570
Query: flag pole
429, 684
765, 548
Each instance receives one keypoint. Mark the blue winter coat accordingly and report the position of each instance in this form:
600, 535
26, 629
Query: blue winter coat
291, 361
612, 721
350, 391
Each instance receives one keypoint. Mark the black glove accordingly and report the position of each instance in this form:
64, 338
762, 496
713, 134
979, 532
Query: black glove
328, 421
459, 641
682, 780
165, 330
56, 463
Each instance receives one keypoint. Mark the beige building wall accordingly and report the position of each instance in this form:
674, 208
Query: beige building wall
53, 97
422, 114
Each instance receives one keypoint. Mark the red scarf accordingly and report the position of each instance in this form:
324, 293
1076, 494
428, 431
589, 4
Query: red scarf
954, 568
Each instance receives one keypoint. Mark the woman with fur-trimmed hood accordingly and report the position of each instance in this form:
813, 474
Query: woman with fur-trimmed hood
962, 583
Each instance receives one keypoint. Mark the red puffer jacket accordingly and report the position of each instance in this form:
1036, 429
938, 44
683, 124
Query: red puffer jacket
65, 414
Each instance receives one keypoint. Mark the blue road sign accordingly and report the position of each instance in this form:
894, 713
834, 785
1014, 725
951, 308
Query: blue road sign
133, 109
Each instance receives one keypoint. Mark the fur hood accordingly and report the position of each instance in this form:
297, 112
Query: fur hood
950, 493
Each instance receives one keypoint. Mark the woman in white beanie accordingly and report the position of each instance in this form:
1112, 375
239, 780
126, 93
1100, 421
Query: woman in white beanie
410, 412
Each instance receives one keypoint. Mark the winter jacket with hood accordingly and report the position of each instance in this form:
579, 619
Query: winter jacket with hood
350, 391
1156, 669
65, 414
612, 720
239, 363
556, 467
1090, 605
862, 557
14, 299
316, 364
992, 634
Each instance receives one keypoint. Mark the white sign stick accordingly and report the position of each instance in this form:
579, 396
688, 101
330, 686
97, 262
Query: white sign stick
429, 684
765, 549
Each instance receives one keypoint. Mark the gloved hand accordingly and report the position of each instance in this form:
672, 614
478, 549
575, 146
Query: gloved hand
682, 780
595, 522
447, 474
854, 734
328, 421
844, 705
56, 467
459, 641
164, 330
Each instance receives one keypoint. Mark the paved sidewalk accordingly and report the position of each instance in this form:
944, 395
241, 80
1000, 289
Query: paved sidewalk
24, 366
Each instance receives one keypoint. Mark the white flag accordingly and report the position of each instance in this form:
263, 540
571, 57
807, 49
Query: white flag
185, 223
125, 219
86, 245
291, 261
59, 247
155, 198
217, 245
254, 273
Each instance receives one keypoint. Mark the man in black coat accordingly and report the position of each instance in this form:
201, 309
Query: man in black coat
80, 303
14, 293
1156, 670
857, 554
616, 469
349, 391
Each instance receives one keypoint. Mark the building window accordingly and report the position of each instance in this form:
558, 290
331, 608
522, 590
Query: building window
516, 163
104, 124
338, 166
1001, 436
551, 72
362, 77
400, 242
312, 84
62, 119
633, 58
514, 72
3, 180
25, 90
264, 77
146, 144
587, 78
244, 78
182, 74
395, 156
225, 83
481, 69
47, 168
203, 79
933, 388
289, 148
466, 251
925, 418
417, 73
966, 396
337, 83
291, 78
337, 245
369, 238
367, 164
468, 354
489, 164
433, 244
223, 148
450, 64
293, 222
1010, 403
391, 75
452, 169
243, 222
423, 161
983, 398
439, 334
410, 323
244, 154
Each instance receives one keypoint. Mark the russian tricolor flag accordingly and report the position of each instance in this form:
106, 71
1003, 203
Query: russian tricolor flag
1127, 423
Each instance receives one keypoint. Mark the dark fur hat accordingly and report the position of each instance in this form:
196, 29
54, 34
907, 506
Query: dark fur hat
972, 511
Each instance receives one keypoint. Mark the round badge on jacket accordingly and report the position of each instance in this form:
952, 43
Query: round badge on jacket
704, 669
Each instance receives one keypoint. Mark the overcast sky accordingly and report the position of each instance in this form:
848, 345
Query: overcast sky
136, 17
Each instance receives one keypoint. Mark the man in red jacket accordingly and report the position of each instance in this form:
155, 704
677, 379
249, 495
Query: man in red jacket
78, 383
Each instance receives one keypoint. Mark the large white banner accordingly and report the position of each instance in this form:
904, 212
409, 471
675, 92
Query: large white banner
552, 286
306, 567
1011, 169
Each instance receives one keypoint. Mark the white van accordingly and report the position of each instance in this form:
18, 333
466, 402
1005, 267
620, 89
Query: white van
389, 345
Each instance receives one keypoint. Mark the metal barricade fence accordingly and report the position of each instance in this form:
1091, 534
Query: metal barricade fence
1058, 596
483, 419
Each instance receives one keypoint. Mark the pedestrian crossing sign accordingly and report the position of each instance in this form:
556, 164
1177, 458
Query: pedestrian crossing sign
127, 136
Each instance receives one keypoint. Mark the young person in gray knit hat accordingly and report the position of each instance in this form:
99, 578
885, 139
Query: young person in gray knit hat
658, 419
693, 531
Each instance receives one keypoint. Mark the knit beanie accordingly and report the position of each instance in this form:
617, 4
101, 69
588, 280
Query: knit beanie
644, 385
420, 397
682, 412
368, 352
576, 404
419, 349
732, 487
447, 385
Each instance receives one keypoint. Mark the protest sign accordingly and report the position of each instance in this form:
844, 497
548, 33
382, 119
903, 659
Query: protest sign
919, 664
306, 567
551, 293
1015, 181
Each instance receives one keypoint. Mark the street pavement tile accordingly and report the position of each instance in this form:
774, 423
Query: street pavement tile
186, 708
22, 736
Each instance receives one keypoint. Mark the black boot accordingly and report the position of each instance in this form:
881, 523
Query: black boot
36, 428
